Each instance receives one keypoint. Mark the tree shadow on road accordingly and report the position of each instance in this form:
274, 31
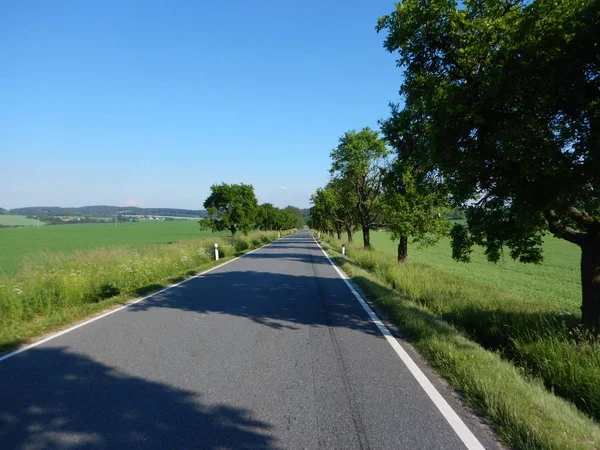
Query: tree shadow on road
78, 402
275, 300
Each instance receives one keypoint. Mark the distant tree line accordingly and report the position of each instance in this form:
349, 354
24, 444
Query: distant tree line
234, 208
104, 211
66, 220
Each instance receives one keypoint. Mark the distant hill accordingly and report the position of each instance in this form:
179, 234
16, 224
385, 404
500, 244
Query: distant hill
105, 210
3, 211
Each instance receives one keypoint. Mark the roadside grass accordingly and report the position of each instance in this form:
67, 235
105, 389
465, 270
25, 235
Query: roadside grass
556, 282
54, 290
18, 221
20, 246
533, 350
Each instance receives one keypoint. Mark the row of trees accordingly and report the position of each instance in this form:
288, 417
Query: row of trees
373, 187
500, 114
233, 208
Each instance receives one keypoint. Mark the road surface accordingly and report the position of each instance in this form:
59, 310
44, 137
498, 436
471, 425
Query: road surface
270, 351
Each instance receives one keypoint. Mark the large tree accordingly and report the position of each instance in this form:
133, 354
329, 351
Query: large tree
415, 198
509, 93
231, 207
358, 161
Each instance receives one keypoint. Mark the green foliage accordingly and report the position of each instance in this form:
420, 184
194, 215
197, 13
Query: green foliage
414, 204
292, 218
230, 207
267, 217
508, 97
357, 164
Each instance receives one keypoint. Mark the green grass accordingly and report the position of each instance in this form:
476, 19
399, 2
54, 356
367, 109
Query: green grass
68, 286
23, 246
497, 307
524, 414
18, 221
556, 282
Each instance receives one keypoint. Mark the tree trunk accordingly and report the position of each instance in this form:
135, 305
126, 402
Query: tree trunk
233, 231
403, 249
331, 233
590, 284
339, 234
350, 231
366, 237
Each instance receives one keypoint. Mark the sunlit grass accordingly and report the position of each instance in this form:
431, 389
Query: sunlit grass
53, 289
17, 244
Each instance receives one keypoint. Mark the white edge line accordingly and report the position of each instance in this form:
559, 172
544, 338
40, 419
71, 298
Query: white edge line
459, 427
133, 302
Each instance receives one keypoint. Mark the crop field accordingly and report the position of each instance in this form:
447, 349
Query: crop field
19, 245
20, 221
555, 282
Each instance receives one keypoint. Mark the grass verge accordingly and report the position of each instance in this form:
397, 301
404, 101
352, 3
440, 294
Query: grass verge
63, 288
523, 412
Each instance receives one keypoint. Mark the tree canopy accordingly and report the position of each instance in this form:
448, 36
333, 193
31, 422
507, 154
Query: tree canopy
508, 93
231, 207
357, 162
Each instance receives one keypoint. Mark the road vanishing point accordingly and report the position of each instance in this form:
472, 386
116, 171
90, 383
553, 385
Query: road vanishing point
273, 350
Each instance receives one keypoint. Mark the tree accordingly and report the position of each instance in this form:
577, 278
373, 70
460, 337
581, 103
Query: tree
321, 213
415, 199
296, 219
509, 93
357, 161
344, 202
267, 217
230, 207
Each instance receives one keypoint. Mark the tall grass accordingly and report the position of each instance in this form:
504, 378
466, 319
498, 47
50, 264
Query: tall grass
54, 287
524, 412
545, 342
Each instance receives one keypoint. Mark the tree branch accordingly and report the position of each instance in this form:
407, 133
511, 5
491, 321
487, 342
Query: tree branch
583, 219
558, 229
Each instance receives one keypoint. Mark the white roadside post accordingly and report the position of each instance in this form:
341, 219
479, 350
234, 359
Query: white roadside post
343, 250
319, 235
216, 252
279, 235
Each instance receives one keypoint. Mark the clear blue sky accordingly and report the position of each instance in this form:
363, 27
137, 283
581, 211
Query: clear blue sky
150, 102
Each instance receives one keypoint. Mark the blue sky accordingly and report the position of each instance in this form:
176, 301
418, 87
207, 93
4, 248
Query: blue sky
149, 103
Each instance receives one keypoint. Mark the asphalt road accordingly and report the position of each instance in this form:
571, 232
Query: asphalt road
269, 351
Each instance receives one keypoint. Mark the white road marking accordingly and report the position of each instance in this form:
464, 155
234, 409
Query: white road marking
112, 311
459, 427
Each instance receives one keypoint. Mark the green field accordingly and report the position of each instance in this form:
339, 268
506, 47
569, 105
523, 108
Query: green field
17, 221
556, 281
18, 245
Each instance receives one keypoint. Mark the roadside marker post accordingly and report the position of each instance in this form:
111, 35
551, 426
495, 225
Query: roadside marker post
343, 250
216, 252
279, 234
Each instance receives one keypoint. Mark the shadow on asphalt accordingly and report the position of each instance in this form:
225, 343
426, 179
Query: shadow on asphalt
100, 407
277, 300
